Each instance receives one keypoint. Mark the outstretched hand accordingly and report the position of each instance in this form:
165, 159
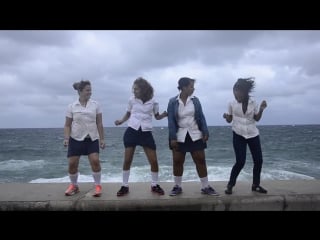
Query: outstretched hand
117, 122
164, 114
263, 105
160, 116
227, 117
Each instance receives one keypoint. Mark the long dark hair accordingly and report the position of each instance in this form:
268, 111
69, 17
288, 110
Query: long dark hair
245, 85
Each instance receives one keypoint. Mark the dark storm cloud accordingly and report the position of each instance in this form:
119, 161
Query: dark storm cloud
38, 68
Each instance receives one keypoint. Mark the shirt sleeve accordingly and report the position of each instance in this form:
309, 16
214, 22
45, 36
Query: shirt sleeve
69, 111
98, 108
130, 104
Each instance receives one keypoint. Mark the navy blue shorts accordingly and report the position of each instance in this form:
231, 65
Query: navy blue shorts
190, 146
132, 138
85, 147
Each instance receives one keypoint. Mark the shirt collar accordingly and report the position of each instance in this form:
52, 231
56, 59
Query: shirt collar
77, 102
190, 97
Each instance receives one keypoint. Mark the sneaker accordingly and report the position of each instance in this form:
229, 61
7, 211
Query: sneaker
258, 189
98, 191
123, 191
228, 190
157, 189
71, 190
209, 191
176, 190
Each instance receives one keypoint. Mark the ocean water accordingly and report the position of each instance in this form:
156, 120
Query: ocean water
38, 156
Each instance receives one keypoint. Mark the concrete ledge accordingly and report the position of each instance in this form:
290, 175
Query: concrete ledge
283, 195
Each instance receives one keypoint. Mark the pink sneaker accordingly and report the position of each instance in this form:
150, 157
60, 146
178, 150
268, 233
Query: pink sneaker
71, 190
98, 191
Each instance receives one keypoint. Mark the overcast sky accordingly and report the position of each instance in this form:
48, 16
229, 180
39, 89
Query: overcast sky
38, 68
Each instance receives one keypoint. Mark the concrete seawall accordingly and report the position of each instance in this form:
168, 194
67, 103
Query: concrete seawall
283, 195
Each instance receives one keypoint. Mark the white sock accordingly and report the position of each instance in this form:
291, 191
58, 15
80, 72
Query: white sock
74, 178
204, 182
178, 180
125, 177
154, 178
97, 178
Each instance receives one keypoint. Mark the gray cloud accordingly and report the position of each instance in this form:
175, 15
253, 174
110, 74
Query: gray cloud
38, 68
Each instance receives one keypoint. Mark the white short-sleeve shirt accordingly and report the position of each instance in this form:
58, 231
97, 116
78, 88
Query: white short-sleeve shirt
84, 119
141, 113
244, 124
187, 122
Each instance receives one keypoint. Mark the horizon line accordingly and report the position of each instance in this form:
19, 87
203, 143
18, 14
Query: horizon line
299, 124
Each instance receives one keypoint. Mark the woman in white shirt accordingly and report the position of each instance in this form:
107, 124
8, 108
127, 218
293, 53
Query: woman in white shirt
188, 132
83, 133
243, 112
140, 110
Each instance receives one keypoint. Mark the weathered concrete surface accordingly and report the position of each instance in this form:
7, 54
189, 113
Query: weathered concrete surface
283, 195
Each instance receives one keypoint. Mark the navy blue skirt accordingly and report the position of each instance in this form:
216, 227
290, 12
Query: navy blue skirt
85, 147
190, 146
132, 138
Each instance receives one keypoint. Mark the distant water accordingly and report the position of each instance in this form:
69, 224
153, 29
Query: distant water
38, 156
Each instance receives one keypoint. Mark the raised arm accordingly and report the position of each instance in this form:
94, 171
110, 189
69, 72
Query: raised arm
228, 117
263, 106
124, 118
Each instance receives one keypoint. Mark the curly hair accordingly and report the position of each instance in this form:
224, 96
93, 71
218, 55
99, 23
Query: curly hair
146, 90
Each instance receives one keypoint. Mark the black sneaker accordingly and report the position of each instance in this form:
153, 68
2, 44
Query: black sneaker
157, 189
176, 190
123, 191
209, 191
228, 190
258, 189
